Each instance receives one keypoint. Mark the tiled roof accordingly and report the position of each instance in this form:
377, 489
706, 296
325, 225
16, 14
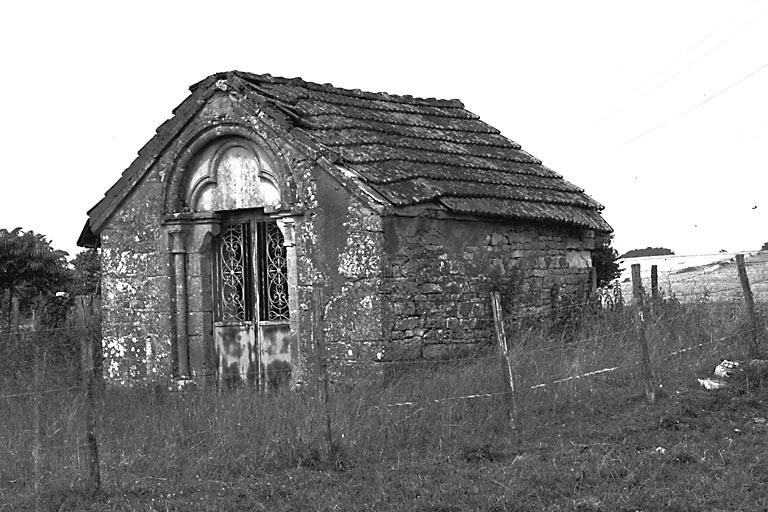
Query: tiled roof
425, 150
412, 151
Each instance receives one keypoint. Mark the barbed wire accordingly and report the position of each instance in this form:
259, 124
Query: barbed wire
695, 255
28, 330
591, 373
595, 302
704, 292
416, 361
39, 392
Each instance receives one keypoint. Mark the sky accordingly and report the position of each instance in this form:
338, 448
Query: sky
657, 109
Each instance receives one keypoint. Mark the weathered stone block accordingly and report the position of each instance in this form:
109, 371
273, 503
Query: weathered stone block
429, 288
407, 323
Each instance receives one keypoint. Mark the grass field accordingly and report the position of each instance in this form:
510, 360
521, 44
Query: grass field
694, 450
588, 443
691, 278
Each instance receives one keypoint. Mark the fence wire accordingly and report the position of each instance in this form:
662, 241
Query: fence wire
562, 356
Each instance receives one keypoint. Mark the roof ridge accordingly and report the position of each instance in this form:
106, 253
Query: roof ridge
313, 98
469, 117
354, 93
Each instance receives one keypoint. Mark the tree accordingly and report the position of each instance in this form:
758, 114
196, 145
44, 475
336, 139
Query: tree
604, 259
29, 266
86, 273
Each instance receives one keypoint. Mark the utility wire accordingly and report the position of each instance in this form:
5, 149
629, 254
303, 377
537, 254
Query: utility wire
700, 57
686, 66
700, 104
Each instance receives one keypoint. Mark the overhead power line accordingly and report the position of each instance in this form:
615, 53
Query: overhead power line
641, 93
700, 57
694, 107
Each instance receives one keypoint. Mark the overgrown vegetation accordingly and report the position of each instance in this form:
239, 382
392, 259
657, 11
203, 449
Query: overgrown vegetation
44, 285
434, 438
604, 259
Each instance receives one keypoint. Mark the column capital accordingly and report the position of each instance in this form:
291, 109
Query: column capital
287, 227
178, 241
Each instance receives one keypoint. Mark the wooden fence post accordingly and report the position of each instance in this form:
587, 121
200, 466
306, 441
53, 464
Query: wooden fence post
98, 350
645, 359
637, 282
84, 308
749, 302
37, 443
318, 335
506, 364
15, 321
5, 314
654, 283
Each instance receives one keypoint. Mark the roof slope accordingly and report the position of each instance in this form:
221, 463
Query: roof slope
416, 150
410, 150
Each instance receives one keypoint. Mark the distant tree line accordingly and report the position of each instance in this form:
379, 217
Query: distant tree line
648, 251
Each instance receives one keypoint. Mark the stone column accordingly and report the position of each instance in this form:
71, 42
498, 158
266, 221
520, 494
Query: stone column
202, 352
288, 227
179, 269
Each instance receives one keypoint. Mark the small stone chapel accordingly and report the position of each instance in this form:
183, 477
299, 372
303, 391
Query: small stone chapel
406, 212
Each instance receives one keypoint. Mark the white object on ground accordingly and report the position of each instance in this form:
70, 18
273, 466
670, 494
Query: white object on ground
712, 383
726, 368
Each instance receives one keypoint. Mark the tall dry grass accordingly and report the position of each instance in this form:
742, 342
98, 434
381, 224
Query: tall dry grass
422, 410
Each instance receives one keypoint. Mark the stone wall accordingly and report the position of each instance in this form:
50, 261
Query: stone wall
134, 259
339, 248
440, 273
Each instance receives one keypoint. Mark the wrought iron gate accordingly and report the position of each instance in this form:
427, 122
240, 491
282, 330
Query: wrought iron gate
250, 304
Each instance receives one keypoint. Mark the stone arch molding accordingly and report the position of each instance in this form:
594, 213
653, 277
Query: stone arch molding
227, 167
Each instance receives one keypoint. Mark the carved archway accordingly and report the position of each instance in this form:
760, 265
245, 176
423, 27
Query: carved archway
227, 198
224, 157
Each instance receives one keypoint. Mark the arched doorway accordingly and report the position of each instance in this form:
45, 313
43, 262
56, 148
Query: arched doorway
251, 311
241, 283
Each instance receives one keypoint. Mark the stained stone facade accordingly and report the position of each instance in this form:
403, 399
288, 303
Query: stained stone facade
260, 191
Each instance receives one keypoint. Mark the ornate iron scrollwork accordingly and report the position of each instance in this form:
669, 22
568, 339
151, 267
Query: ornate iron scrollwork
236, 290
233, 261
274, 274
